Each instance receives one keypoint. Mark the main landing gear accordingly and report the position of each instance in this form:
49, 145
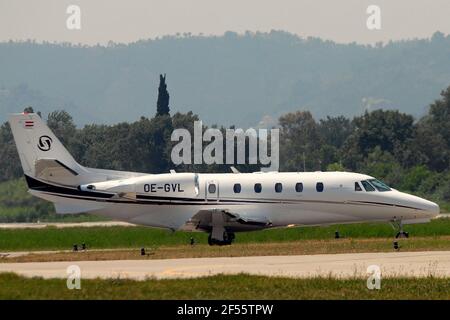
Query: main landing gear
228, 238
218, 233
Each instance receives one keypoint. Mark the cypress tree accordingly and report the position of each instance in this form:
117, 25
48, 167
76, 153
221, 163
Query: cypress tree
162, 105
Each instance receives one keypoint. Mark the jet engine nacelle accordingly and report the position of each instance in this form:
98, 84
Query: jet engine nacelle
87, 187
169, 185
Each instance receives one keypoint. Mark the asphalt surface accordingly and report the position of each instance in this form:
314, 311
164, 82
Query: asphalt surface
392, 264
40, 225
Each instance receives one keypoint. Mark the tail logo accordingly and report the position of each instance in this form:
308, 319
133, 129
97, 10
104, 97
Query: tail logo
45, 143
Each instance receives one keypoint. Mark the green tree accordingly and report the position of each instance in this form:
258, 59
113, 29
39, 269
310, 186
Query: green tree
383, 165
414, 177
162, 104
62, 125
433, 134
300, 142
9, 158
159, 142
336, 166
335, 130
28, 110
390, 131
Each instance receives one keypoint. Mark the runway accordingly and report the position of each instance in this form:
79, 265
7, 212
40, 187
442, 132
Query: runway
392, 264
61, 225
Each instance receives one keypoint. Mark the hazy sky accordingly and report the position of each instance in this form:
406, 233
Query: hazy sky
131, 20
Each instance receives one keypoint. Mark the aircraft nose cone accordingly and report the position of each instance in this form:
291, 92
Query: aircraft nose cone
432, 208
429, 207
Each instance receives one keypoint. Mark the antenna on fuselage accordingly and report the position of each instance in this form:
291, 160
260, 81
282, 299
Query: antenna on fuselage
234, 170
304, 162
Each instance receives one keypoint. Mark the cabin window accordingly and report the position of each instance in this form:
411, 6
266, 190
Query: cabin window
212, 188
357, 187
237, 188
258, 187
379, 185
278, 187
367, 186
299, 187
319, 186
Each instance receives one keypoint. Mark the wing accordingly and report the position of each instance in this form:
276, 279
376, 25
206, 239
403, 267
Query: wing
204, 220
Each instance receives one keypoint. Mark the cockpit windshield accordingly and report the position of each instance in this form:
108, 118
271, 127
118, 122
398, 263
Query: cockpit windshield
367, 186
379, 185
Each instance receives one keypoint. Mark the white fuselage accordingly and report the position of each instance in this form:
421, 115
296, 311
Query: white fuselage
220, 204
171, 200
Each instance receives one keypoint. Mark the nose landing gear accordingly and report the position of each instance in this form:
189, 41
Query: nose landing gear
397, 224
402, 234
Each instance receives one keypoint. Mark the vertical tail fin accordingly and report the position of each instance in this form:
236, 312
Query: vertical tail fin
37, 145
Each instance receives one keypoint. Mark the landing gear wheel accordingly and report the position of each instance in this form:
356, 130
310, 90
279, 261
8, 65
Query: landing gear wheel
210, 241
397, 224
402, 234
396, 246
228, 238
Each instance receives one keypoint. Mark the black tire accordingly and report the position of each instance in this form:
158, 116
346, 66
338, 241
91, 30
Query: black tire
397, 235
406, 234
210, 241
225, 242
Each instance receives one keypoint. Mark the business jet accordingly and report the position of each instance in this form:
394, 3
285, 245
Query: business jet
220, 204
